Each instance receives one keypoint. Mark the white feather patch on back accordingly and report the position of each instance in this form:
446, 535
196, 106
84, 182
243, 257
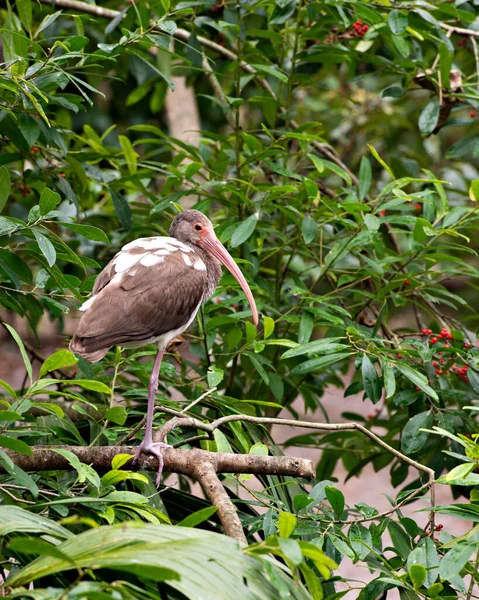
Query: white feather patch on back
86, 305
199, 265
124, 260
149, 260
187, 259
158, 243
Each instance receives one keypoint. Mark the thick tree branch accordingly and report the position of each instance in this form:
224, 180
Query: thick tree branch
44, 458
205, 474
201, 465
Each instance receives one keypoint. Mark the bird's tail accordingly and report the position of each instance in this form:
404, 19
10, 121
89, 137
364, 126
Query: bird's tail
77, 345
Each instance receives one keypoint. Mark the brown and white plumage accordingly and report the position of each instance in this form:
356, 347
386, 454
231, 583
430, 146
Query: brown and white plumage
150, 292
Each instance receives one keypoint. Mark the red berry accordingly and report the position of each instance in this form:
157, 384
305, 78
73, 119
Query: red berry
434, 363
399, 355
37, 116
450, 336
429, 331
418, 206
433, 340
62, 175
466, 379
370, 416
441, 360
447, 346
407, 282
473, 114
418, 388
382, 213
438, 371
424, 331
467, 345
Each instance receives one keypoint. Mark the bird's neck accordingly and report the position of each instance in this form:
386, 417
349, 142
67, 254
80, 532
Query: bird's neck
213, 268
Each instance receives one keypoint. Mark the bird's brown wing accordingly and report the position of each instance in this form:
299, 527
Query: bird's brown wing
140, 303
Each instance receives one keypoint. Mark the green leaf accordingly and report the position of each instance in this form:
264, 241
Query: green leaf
454, 561
115, 476
10, 415
365, 176
23, 352
341, 546
397, 21
412, 438
360, 540
244, 230
429, 560
418, 574
291, 550
200, 516
214, 376
400, 539
30, 545
374, 152
48, 201
14, 519
286, 524
473, 190
116, 414
84, 472
222, 442
372, 222
24, 8
268, 325
119, 460
318, 363
131, 156
14, 444
21, 478
317, 346
389, 380
88, 231
46, 247
122, 210
336, 499
88, 384
371, 382
5, 185
273, 71
309, 229
429, 117
306, 326
58, 360
417, 378
8, 388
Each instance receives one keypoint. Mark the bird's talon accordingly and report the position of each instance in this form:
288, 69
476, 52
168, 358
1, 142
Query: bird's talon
154, 449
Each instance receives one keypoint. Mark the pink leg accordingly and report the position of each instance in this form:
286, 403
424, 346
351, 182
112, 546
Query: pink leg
147, 445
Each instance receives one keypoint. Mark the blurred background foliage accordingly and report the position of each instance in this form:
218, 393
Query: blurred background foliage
336, 153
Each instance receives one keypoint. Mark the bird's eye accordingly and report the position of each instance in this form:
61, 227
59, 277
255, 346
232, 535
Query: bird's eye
198, 227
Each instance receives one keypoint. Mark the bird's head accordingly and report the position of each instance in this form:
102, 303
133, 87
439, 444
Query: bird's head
192, 227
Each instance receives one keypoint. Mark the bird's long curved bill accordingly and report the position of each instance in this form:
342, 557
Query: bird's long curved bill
213, 245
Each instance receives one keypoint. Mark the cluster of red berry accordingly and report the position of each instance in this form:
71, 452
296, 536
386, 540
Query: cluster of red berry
444, 335
360, 29
24, 190
464, 42
461, 372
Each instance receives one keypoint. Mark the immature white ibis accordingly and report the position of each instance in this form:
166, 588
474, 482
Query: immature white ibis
150, 293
